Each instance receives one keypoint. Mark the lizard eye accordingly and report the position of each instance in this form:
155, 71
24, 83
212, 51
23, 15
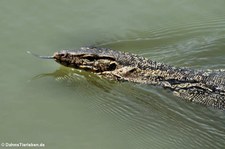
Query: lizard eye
112, 66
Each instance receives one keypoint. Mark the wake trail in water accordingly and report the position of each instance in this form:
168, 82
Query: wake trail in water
216, 25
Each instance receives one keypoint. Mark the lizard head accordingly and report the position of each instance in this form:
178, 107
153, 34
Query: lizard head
89, 59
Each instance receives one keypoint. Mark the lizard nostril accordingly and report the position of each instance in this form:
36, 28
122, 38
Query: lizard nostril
63, 54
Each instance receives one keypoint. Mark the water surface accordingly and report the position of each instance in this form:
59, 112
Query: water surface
43, 102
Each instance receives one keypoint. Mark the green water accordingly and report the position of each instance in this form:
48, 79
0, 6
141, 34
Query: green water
42, 102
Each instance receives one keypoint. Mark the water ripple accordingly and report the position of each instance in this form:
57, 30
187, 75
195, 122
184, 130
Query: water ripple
173, 31
151, 115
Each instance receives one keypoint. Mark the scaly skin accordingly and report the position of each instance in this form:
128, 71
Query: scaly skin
203, 87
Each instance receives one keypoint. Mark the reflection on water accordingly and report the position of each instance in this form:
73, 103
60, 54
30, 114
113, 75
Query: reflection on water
72, 76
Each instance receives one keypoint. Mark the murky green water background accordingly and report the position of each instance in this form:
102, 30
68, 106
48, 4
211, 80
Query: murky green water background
42, 102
